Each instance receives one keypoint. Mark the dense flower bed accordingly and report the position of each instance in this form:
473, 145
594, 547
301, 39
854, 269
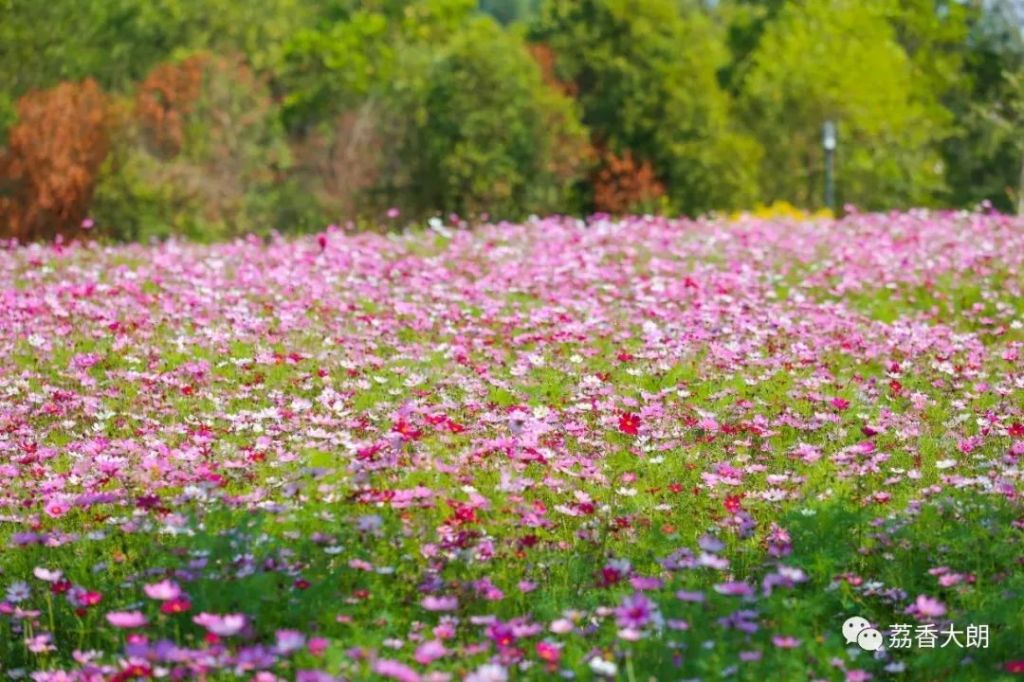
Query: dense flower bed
644, 449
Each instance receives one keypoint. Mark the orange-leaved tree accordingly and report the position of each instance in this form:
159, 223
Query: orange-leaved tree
624, 185
54, 152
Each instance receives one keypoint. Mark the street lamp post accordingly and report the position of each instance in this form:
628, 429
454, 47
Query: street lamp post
828, 142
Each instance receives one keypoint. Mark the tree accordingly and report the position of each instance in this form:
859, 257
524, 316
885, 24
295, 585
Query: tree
488, 135
48, 172
646, 79
117, 42
983, 158
839, 60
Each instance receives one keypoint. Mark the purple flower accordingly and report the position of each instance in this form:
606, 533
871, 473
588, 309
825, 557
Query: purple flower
735, 588
635, 612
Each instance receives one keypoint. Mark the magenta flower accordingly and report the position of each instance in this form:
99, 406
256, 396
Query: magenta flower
635, 612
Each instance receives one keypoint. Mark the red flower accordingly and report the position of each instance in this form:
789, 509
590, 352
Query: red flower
1015, 667
629, 423
406, 430
1017, 429
90, 598
176, 605
732, 503
623, 356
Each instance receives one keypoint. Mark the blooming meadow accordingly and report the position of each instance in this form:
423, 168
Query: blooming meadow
638, 449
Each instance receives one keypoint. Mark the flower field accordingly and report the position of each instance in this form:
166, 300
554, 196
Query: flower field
635, 450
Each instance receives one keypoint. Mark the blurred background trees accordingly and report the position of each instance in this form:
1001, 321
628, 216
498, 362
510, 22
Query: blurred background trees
210, 118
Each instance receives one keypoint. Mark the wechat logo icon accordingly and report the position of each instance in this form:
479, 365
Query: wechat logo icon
857, 630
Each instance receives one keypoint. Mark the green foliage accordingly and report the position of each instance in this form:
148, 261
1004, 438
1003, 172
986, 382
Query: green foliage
461, 119
8, 115
509, 11
486, 133
821, 60
220, 180
116, 42
983, 158
646, 75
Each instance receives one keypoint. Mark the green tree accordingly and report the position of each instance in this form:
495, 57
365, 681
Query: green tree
116, 42
645, 73
840, 60
983, 158
487, 134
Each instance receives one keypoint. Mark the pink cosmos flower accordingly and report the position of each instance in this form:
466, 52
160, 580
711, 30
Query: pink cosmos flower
318, 646
926, 607
56, 507
288, 641
46, 574
41, 643
432, 603
785, 641
395, 670
163, 591
126, 619
430, 651
222, 626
